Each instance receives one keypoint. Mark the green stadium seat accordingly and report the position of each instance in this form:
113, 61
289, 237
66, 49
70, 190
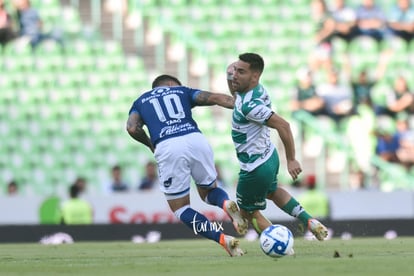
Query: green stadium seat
70, 22
65, 91
363, 44
108, 48
19, 47
379, 93
340, 46
47, 63
48, 47
411, 47
396, 44
17, 63
6, 85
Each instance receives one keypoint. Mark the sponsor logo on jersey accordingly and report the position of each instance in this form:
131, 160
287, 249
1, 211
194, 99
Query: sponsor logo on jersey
159, 90
251, 104
171, 130
260, 113
260, 203
167, 183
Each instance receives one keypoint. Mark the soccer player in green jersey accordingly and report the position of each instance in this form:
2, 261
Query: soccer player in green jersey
252, 120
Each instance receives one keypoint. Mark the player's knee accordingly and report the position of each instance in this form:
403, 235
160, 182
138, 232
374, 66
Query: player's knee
180, 211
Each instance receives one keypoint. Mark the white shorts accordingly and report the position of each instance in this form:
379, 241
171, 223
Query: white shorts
181, 158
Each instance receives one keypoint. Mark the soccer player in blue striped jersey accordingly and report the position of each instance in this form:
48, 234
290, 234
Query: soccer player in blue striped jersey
252, 120
182, 153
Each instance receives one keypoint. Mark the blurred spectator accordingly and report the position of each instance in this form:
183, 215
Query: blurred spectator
337, 97
387, 139
400, 98
313, 199
150, 179
12, 188
30, 24
363, 84
80, 182
362, 89
401, 20
345, 20
116, 183
324, 29
405, 152
371, 20
306, 97
76, 210
6, 30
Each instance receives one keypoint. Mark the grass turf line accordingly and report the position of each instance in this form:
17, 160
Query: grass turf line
368, 256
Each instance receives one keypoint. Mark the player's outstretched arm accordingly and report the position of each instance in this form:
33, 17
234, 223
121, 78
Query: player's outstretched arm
209, 98
285, 133
135, 130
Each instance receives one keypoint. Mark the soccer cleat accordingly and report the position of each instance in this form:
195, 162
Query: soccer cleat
231, 245
317, 229
240, 224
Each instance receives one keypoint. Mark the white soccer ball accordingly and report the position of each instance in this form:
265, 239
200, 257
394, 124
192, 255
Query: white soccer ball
277, 241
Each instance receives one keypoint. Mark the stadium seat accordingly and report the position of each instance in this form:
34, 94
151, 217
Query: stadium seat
19, 47
66, 90
395, 44
13, 62
379, 93
48, 47
70, 22
363, 44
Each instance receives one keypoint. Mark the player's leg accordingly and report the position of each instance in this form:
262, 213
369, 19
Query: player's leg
204, 174
252, 189
219, 197
257, 220
285, 201
200, 225
175, 164
196, 221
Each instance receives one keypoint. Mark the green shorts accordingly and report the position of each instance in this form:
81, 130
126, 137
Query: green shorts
253, 187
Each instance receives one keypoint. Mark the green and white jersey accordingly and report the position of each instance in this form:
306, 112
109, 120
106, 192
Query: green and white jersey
251, 137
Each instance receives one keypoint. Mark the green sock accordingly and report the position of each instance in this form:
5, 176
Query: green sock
294, 209
256, 226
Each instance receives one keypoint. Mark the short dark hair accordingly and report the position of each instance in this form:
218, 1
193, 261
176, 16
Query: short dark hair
255, 61
12, 183
163, 79
74, 191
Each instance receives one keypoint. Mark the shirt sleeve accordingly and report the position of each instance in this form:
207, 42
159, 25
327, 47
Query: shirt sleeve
194, 92
134, 108
257, 111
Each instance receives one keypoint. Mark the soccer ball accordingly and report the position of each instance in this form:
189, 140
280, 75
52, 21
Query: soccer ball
277, 241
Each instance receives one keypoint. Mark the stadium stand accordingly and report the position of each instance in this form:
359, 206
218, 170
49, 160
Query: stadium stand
62, 112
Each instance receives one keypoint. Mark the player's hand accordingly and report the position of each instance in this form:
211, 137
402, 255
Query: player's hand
294, 169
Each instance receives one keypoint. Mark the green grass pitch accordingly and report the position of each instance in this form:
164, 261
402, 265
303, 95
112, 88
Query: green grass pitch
367, 256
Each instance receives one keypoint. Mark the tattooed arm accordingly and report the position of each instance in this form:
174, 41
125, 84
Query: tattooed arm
209, 98
135, 130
